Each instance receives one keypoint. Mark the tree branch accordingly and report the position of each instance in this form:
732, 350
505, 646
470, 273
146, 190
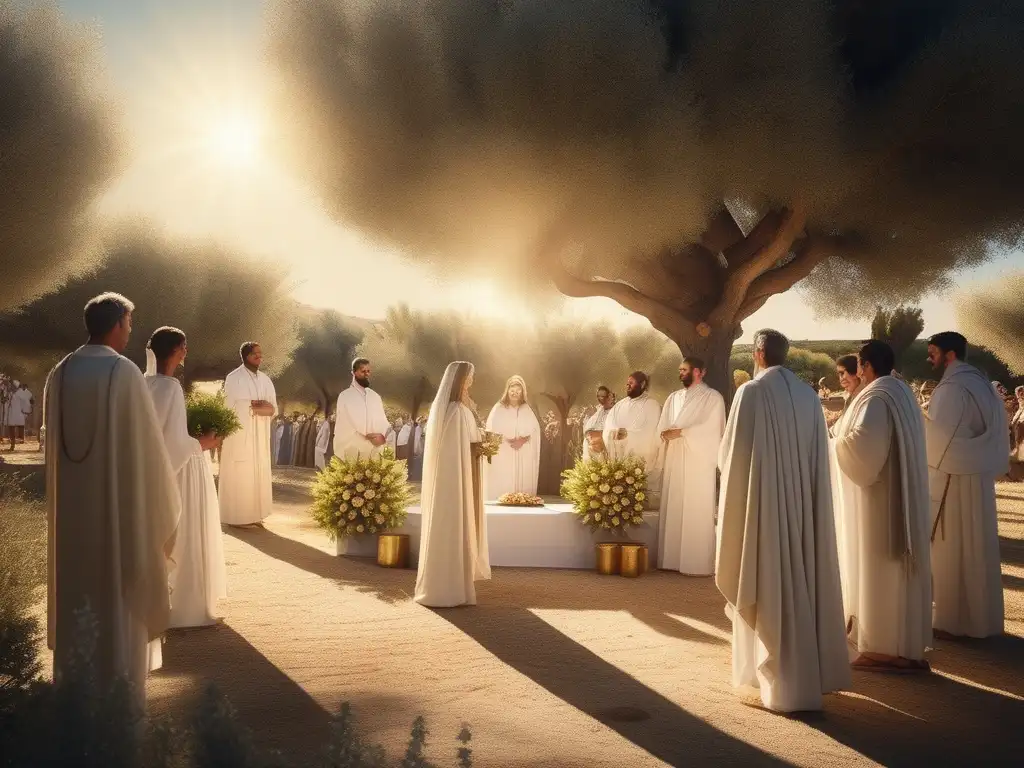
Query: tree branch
810, 252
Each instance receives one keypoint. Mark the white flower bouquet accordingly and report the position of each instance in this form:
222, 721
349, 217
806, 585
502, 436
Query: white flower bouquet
607, 496
361, 496
490, 444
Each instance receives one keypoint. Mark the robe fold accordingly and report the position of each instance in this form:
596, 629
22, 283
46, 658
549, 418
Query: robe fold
968, 449
246, 482
403, 448
453, 538
198, 579
360, 412
880, 488
513, 471
275, 443
284, 448
595, 423
639, 417
323, 442
776, 563
686, 537
113, 507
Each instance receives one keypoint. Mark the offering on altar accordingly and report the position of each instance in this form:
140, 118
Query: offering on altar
607, 495
520, 500
361, 496
490, 444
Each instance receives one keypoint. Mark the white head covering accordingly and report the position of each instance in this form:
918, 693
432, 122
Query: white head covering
150, 362
435, 423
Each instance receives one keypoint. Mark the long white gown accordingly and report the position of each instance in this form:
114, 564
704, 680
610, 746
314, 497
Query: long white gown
246, 480
360, 412
639, 416
453, 539
513, 471
686, 537
198, 579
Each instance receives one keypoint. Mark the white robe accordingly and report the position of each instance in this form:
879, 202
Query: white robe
360, 412
777, 564
198, 579
112, 507
513, 471
968, 448
453, 546
323, 441
595, 423
18, 408
639, 417
275, 443
246, 480
686, 537
880, 492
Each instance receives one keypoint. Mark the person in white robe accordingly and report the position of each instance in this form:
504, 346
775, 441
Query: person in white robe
691, 426
968, 449
275, 441
776, 563
880, 492
361, 425
593, 427
19, 407
246, 481
198, 579
453, 538
631, 429
516, 468
323, 442
403, 446
416, 460
391, 436
112, 506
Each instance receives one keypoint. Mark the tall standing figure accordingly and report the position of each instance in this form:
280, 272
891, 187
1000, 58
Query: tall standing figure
198, 579
361, 425
517, 466
777, 563
453, 538
631, 429
968, 448
246, 482
112, 505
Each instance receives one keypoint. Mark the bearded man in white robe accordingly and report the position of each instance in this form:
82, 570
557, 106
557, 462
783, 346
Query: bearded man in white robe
323, 443
246, 480
112, 506
777, 564
361, 425
691, 426
516, 468
880, 491
968, 449
631, 429
593, 427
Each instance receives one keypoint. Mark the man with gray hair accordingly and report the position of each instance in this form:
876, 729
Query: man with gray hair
777, 562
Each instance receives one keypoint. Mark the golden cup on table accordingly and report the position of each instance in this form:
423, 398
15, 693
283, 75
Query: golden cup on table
393, 550
608, 558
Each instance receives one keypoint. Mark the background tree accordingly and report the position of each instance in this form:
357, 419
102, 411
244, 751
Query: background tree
994, 317
219, 298
612, 149
320, 366
58, 148
898, 328
809, 366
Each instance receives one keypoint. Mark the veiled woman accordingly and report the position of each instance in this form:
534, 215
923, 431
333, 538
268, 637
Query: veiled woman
517, 466
453, 540
197, 579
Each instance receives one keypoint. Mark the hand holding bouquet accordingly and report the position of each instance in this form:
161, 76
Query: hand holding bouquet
490, 444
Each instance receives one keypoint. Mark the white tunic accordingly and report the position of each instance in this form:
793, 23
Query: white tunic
513, 471
360, 412
323, 440
595, 423
246, 482
639, 417
197, 579
18, 408
968, 448
113, 507
777, 564
880, 490
686, 540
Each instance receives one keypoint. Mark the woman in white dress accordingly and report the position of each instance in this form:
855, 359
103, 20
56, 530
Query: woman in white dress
197, 579
453, 539
517, 466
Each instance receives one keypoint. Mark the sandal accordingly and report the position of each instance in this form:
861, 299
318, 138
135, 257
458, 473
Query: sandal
895, 667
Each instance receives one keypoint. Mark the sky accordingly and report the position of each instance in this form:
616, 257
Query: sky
187, 75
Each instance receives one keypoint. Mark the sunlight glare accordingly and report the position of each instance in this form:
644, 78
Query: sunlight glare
235, 140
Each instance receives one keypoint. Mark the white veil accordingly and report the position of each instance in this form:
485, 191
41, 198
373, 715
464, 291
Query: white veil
435, 424
150, 363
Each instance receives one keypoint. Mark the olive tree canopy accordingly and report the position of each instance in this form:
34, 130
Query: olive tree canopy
994, 317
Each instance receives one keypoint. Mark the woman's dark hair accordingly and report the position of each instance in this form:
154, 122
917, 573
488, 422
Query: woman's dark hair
461, 374
849, 362
950, 341
165, 341
879, 355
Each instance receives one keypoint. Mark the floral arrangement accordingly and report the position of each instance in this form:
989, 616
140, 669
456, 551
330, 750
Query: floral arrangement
358, 496
490, 444
608, 495
520, 500
210, 413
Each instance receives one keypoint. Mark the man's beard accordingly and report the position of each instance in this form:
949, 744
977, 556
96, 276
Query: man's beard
687, 380
633, 394
364, 383
252, 366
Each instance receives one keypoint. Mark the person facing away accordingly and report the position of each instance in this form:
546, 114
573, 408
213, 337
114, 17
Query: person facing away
777, 565
19, 408
453, 538
880, 493
246, 482
631, 428
593, 427
361, 425
198, 579
691, 427
323, 442
516, 468
112, 506
968, 449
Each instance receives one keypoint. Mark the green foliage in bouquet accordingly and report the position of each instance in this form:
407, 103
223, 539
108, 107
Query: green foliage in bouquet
358, 496
210, 413
607, 496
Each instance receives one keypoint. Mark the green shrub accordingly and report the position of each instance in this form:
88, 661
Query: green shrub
210, 413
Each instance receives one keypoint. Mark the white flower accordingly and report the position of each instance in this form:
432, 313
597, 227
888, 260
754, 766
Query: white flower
346, 495
630, 481
370, 493
606, 500
586, 518
343, 507
594, 477
360, 529
597, 516
638, 507
360, 475
357, 502
638, 472
591, 491
360, 488
615, 520
595, 504
605, 488
640, 496
616, 508
638, 520
348, 479
376, 477
352, 515
618, 489
605, 524
350, 529
380, 519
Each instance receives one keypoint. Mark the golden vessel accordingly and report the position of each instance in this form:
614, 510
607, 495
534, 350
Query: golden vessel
393, 550
608, 558
645, 564
634, 560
